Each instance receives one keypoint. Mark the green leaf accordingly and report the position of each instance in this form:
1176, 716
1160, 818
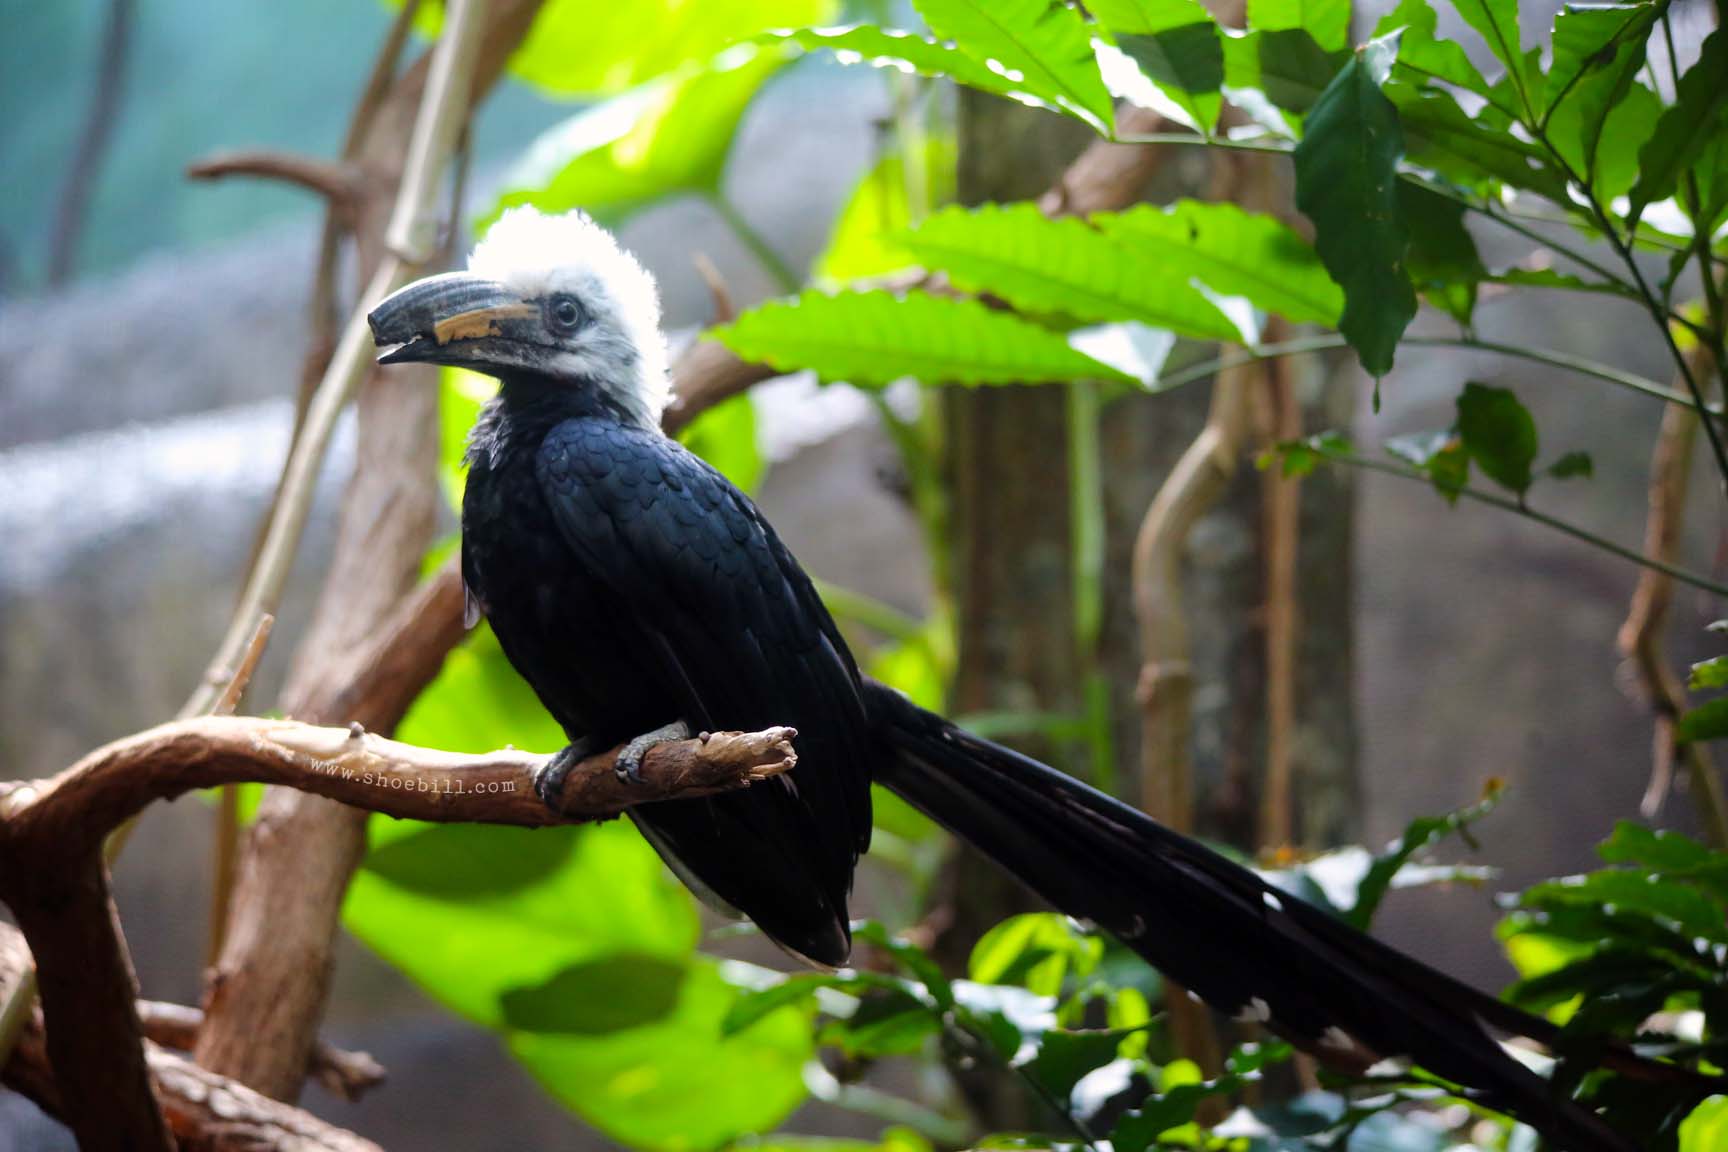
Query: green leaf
575, 48
1499, 434
1598, 131
1036, 951
1346, 183
1286, 65
1573, 464
1469, 153
892, 1023
678, 1084
909, 52
1234, 253
1711, 673
864, 239
671, 136
1439, 455
875, 338
1045, 40
593, 997
752, 1005
1699, 112
1587, 39
1420, 834
1328, 21
1633, 893
1444, 263
1496, 21
908, 957
1658, 848
1060, 266
1708, 721
1423, 52
1067, 1056
1177, 45
1705, 1129
725, 436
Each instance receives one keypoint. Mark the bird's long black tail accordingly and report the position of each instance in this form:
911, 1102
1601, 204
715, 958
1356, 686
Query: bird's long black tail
1222, 932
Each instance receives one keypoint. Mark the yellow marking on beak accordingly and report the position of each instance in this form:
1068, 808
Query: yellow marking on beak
479, 322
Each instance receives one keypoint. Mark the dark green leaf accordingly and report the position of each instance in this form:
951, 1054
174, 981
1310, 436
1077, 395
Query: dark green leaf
889, 1023
910, 958
1659, 848
1444, 263
1439, 455
1634, 893
1287, 65
594, 997
678, 1084
1687, 127
1346, 183
1711, 673
1469, 153
1573, 464
1234, 253
1420, 834
670, 136
1549, 278
1052, 265
1499, 434
1066, 1057
1708, 721
1046, 41
876, 338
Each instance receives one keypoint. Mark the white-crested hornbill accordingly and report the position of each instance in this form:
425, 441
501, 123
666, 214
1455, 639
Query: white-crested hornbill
643, 597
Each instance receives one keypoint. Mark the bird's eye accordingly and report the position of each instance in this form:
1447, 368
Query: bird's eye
563, 313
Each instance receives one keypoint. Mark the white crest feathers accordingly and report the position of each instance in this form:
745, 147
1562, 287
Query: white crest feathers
537, 254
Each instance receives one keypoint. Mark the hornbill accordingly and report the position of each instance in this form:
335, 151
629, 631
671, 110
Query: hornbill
643, 596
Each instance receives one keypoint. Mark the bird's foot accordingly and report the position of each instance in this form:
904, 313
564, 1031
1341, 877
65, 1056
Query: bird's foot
549, 781
629, 763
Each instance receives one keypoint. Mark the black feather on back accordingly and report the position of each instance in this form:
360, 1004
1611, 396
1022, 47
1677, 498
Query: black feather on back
633, 585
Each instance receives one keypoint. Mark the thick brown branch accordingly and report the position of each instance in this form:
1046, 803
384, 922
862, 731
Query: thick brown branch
349, 1075
63, 816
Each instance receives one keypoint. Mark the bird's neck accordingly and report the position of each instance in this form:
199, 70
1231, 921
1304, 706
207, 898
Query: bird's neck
527, 407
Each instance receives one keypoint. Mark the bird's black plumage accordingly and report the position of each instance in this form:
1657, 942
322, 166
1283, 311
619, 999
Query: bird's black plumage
632, 585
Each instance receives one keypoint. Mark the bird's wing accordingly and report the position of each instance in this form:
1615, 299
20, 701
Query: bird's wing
734, 633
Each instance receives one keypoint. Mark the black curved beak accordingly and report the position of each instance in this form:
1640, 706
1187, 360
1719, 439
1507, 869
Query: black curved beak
455, 318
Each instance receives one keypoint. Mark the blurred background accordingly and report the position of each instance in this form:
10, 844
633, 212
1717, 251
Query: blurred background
152, 330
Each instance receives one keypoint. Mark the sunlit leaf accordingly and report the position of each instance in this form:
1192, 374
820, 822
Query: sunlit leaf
1059, 265
1346, 183
863, 242
1706, 1128
1499, 434
578, 48
1606, 149
1496, 21
1234, 253
1045, 41
878, 337
1328, 21
678, 1084
590, 998
1586, 40
668, 137
1177, 45
1036, 950
1699, 112
1423, 52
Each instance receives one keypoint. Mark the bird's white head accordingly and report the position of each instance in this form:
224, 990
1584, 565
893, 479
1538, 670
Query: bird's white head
547, 297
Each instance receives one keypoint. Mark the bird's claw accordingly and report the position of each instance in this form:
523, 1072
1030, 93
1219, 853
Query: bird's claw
549, 781
629, 762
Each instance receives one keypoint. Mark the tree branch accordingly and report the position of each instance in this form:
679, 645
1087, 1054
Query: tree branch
349, 1075
72, 813
337, 183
